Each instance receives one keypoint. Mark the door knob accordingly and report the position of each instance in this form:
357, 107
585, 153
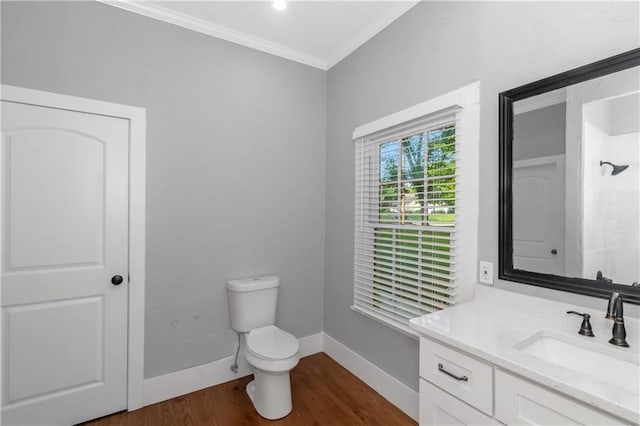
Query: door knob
116, 280
554, 251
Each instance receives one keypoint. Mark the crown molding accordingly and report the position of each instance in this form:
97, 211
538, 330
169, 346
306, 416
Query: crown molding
164, 14
364, 35
205, 27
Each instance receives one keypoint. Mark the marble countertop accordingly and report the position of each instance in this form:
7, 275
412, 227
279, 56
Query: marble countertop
496, 321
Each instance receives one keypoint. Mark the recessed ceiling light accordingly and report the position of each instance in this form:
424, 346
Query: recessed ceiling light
279, 5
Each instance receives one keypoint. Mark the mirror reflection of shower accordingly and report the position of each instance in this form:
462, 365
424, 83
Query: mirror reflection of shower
610, 197
615, 168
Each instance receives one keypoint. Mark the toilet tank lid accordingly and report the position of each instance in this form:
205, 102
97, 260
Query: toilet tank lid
251, 284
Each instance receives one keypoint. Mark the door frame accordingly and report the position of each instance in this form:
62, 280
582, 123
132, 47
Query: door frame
137, 172
540, 161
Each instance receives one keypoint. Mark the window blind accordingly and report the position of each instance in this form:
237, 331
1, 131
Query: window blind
406, 205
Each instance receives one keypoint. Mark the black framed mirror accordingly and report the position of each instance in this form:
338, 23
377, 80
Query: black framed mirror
569, 180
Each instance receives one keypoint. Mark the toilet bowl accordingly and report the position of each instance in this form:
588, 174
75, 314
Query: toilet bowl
271, 349
272, 353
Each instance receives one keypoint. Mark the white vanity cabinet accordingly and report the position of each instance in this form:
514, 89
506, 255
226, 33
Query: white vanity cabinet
520, 402
438, 407
457, 388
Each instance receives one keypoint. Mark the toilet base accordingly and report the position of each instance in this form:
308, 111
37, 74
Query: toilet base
270, 394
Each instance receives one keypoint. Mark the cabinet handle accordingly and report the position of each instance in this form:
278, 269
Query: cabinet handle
460, 378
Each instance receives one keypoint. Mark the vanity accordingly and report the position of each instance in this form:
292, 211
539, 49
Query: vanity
507, 358
570, 221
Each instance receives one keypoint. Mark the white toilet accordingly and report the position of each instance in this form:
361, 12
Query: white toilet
272, 352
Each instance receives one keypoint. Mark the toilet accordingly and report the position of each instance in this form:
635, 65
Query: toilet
271, 352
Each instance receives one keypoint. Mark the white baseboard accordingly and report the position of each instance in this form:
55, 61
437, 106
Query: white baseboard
396, 392
310, 345
167, 386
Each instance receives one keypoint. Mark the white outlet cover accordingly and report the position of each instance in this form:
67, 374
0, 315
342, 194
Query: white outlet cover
486, 273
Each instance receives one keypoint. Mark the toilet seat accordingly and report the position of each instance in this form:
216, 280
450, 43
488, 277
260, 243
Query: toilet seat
271, 343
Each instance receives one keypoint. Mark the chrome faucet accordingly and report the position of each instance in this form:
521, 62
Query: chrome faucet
614, 311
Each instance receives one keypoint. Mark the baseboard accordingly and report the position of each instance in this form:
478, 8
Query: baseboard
167, 386
396, 392
310, 345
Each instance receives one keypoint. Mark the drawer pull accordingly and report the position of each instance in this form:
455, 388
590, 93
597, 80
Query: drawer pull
460, 378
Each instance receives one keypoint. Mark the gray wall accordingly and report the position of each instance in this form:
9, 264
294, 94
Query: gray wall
432, 49
236, 171
232, 131
540, 132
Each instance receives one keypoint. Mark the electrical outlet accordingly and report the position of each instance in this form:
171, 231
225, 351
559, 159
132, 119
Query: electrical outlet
486, 272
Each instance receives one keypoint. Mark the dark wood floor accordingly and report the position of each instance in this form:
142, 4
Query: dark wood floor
324, 393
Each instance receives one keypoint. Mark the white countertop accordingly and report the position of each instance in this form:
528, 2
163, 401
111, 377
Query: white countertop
496, 320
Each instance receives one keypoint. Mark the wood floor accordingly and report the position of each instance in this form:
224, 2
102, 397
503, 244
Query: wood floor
324, 393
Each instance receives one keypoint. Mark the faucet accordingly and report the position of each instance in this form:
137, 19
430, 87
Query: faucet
600, 277
614, 311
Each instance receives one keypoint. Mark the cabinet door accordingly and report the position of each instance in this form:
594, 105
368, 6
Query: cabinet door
437, 407
519, 402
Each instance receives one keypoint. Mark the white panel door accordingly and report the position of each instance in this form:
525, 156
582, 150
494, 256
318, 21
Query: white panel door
64, 236
538, 215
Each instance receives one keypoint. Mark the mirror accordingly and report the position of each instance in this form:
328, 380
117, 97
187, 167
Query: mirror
570, 180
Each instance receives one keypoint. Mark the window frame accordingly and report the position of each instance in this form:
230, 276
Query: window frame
464, 104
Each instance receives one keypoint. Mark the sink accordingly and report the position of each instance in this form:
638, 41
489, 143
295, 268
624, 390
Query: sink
611, 365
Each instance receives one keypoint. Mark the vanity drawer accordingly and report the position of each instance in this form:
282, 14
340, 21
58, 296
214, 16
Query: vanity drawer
461, 375
520, 402
438, 408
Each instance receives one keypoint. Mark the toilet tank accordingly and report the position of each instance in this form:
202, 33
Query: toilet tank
253, 302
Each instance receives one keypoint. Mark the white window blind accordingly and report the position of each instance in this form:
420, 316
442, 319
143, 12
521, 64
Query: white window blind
406, 206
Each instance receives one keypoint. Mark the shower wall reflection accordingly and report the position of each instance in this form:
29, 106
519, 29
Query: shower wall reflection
572, 215
611, 203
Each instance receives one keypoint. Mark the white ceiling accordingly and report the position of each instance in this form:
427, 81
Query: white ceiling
315, 33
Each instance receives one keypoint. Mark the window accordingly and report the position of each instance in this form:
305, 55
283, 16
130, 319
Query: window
407, 216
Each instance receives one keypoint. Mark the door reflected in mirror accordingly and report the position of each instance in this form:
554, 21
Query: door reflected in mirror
576, 180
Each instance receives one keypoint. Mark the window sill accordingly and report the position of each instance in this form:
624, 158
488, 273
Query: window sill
395, 325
